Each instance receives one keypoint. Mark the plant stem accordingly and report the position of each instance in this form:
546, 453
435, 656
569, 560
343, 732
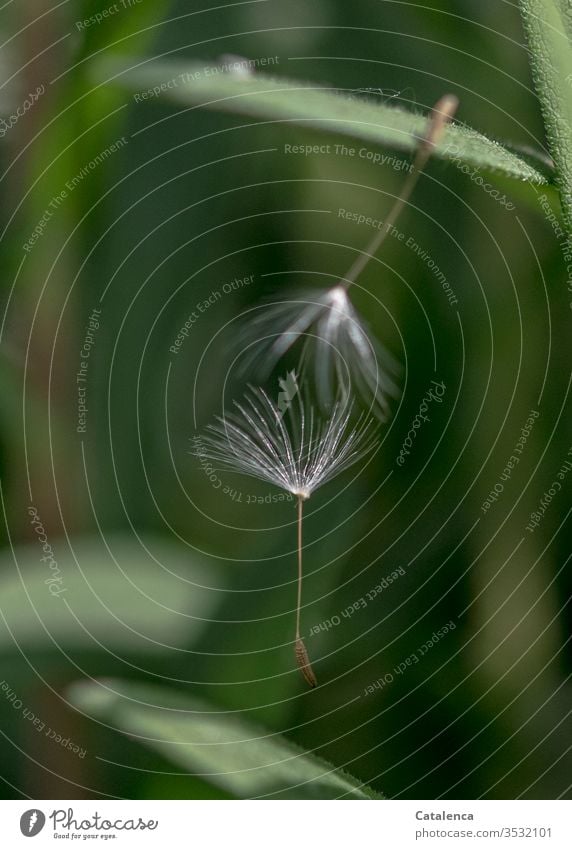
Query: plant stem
441, 114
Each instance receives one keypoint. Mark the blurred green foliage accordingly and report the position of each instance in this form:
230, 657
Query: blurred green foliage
193, 199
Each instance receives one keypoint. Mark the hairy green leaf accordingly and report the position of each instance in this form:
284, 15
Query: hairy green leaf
221, 747
548, 24
276, 100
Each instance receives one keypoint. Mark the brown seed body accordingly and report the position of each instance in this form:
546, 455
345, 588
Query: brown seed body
304, 664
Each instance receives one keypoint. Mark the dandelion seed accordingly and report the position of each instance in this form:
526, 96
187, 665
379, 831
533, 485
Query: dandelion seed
298, 455
338, 349
347, 358
298, 452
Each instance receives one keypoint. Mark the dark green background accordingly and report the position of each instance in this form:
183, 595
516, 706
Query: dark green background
175, 214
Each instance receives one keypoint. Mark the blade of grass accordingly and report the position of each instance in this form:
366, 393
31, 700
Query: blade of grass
281, 100
548, 24
222, 747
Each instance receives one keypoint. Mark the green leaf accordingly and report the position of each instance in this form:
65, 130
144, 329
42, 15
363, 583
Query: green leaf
221, 747
548, 24
112, 595
281, 100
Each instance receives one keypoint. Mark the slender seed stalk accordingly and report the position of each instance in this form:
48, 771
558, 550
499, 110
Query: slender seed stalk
302, 658
440, 116
299, 602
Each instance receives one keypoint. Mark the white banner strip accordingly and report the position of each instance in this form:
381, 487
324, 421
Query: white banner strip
289, 824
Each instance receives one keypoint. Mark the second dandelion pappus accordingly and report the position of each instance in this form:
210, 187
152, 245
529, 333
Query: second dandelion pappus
338, 350
344, 356
298, 452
